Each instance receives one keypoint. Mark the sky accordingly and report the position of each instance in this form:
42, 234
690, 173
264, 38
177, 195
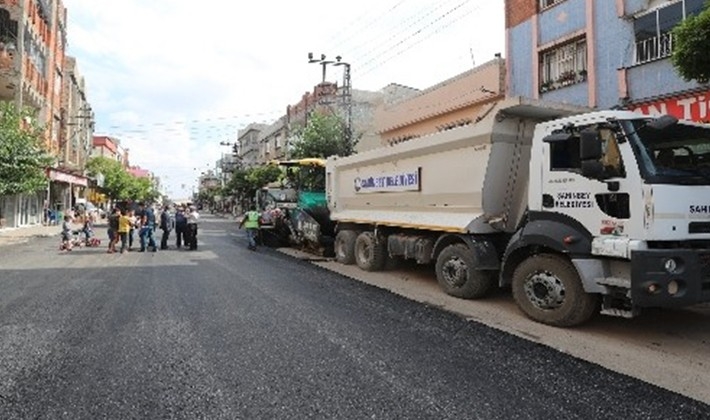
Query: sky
173, 78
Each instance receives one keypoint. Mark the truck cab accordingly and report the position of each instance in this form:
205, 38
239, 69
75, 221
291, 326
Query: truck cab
626, 197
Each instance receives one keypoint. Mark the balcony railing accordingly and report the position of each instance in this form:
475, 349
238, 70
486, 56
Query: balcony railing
655, 48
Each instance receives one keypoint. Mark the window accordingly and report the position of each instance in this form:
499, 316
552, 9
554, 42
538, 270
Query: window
563, 65
564, 155
548, 3
652, 30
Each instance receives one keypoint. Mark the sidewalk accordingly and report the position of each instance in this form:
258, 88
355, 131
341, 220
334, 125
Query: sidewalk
12, 236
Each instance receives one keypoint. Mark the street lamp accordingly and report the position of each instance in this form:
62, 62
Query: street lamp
346, 94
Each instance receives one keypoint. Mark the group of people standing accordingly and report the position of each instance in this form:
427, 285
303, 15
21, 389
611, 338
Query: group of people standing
123, 223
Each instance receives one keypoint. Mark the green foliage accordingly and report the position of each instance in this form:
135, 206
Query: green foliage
322, 136
691, 43
118, 183
246, 181
23, 159
207, 195
307, 178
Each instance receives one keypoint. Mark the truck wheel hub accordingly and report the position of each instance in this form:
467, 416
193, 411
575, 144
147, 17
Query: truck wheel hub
455, 272
545, 290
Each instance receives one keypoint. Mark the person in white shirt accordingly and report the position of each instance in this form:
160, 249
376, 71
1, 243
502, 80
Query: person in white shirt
192, 218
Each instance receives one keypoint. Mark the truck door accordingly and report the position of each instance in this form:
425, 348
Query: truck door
599, 199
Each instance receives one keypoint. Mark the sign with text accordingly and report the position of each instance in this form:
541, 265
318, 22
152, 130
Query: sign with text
693, 108
408, 180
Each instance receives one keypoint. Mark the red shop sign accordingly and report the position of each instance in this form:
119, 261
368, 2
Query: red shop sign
694, 108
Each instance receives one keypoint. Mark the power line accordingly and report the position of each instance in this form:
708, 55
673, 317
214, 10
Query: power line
418, 32
195, 121
369, 24
414, 19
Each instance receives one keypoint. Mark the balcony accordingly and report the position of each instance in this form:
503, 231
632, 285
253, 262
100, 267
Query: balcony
655, 48
9, 75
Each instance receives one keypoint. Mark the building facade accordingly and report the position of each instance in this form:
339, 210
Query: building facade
601, 54
32, 45
457, 101
250, 145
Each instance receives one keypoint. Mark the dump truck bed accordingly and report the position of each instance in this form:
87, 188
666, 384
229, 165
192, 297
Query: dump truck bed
468, 179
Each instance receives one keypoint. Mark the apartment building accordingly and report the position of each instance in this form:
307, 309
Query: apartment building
32, 46
249, 143
601, 54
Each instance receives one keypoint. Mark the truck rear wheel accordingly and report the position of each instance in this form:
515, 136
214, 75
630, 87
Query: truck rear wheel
457, 274
547, 289
345, 246
370, 255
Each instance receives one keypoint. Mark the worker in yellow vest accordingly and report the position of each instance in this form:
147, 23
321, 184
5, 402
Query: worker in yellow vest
250, 221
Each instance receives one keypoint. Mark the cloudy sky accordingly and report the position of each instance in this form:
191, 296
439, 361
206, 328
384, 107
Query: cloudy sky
174, 78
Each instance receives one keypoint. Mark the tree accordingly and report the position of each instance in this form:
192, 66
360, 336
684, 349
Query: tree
322, 136
691, 43
23, 158
246, 181
118, 183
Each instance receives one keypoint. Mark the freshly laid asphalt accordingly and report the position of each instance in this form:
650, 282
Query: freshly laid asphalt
227, 333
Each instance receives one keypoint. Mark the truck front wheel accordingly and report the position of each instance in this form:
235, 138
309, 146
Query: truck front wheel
547, 289
345, 246
370, 254
457, 274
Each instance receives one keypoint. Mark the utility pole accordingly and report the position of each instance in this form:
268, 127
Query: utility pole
346, 95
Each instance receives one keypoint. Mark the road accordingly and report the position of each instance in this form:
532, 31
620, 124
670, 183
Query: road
225, 333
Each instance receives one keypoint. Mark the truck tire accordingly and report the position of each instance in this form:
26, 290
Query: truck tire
370, 254
457, 274
547, 289
345, 247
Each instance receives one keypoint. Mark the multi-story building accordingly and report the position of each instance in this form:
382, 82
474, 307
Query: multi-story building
250, 145
601, 54
457, 101
106, 146
33, 41
273, 144
77, 121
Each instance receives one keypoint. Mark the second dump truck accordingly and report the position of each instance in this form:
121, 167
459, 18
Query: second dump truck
576, 212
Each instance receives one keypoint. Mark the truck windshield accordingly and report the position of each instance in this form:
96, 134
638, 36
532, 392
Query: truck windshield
679, 154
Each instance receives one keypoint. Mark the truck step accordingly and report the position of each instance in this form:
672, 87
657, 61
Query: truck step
622, 313
615, 282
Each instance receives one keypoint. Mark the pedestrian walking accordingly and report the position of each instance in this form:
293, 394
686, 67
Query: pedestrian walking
166, 225
192, 218
180, 227
250, 221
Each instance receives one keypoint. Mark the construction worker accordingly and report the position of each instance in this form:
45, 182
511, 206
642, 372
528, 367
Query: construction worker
250, 221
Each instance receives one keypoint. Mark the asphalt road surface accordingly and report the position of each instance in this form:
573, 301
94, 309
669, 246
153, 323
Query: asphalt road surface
227, 333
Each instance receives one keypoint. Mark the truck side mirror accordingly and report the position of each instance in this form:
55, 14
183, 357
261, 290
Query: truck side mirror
590, 145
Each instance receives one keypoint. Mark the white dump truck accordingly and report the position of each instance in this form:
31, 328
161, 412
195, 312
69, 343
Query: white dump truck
575, 212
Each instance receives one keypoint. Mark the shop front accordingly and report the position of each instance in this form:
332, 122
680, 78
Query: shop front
692, 106
64, 189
